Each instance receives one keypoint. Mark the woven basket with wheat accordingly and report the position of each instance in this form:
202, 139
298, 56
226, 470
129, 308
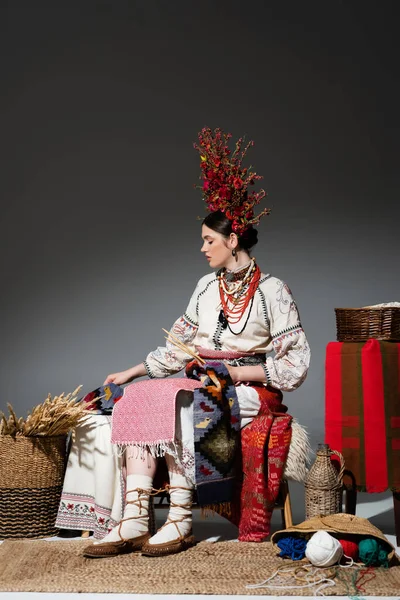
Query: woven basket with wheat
32, 465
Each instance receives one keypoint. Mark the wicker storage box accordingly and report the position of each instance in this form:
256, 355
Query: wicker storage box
31, 478
361, 324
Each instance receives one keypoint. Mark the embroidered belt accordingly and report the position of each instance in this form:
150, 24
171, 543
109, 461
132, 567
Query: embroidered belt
234, 359
257, 359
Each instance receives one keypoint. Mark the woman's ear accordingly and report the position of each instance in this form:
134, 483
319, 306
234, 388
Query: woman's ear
233, 241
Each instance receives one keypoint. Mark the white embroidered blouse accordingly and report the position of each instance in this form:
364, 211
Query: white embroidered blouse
270, 326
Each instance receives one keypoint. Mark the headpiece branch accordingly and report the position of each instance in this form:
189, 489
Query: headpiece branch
225, 182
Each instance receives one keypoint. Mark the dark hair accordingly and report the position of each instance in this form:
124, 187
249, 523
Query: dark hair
220, 223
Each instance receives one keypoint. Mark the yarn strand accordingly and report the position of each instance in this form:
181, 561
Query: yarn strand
325, 581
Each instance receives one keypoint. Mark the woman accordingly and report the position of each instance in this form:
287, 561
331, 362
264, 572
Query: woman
238, 315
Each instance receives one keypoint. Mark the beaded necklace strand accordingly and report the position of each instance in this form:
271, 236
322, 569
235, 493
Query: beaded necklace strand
235, 299
239, 284
225, 323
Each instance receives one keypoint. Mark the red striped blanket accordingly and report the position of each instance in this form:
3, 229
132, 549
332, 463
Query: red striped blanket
362, 410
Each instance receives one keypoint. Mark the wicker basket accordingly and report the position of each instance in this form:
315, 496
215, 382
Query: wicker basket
361, 324
324, 485
31, 478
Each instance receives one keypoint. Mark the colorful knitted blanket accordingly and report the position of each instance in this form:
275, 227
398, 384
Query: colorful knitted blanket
362, 410
101, 400
216, 423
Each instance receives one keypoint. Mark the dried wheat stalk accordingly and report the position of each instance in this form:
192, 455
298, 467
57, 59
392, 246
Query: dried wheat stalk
55, 416
182, 346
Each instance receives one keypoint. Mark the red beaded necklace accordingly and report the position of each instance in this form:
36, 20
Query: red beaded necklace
234, 307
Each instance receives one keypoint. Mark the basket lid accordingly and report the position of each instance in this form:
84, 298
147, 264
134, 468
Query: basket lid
340, 523
378, 307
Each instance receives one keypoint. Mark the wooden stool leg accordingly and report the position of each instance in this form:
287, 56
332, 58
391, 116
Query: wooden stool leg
350, 492
396, 506
350, 499
287, 508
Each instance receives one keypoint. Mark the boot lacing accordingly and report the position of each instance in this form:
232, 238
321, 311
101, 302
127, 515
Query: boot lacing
173, 504
139, 505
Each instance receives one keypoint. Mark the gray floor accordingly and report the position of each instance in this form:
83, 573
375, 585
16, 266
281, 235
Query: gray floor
378, 508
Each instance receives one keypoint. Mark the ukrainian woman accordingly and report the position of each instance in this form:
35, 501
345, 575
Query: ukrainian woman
237, 315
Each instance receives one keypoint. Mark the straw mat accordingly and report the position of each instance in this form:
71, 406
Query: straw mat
207, 568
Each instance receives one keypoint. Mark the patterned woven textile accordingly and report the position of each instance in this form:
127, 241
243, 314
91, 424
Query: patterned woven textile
145, 415
101, 400
265, 446
216, 421
362, 396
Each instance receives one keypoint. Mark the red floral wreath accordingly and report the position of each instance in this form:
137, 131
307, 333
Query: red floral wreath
226, 182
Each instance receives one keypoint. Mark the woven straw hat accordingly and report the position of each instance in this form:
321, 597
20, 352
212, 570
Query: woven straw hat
338, 525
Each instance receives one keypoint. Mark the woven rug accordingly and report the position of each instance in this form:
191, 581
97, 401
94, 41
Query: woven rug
207, 568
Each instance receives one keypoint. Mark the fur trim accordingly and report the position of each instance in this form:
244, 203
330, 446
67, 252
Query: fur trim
300, 454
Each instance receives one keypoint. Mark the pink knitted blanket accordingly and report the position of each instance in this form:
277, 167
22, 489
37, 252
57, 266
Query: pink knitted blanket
145, 415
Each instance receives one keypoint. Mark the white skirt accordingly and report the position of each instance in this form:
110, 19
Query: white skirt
94, 490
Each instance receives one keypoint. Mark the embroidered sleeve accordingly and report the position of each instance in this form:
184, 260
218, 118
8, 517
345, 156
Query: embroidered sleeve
286, 370
167, 360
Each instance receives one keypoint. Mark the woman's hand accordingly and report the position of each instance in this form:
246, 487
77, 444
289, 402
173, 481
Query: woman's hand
234, 372
247, 373
119, 378
126, 376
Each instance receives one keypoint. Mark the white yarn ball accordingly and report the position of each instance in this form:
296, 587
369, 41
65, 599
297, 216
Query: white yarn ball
323, 550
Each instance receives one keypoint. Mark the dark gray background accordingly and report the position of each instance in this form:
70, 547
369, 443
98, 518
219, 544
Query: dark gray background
100, 104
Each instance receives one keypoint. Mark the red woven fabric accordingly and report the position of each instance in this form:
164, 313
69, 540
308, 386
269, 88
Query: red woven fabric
265, 444
362, 416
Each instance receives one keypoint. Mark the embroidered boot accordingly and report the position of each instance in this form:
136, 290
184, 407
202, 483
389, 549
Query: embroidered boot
133, 530
176, 534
